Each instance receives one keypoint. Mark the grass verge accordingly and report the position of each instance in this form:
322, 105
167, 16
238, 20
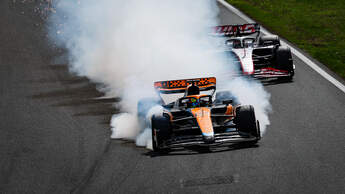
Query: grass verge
316, 26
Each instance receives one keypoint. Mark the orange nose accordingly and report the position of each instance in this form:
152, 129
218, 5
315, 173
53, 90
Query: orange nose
203, 117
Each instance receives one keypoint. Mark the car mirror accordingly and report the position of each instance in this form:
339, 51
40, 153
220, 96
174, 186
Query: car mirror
248, 42
229, 43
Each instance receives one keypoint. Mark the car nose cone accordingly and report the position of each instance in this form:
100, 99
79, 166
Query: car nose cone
209, 139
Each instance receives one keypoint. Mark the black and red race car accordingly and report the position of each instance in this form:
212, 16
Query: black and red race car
256, 55
194, 115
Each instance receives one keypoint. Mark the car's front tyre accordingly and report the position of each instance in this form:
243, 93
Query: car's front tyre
246, 122
283, 60
161, 131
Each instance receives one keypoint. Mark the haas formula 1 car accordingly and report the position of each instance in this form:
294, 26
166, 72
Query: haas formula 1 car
258, 56
195, 116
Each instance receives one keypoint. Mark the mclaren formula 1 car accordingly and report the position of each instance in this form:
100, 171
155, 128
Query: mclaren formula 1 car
193, 115
257, 56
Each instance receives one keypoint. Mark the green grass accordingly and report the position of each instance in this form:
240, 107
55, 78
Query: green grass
316, 26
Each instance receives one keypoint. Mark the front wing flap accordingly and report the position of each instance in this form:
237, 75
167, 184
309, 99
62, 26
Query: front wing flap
269, 72
221, 139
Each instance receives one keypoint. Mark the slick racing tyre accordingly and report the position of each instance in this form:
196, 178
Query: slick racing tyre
225, 95
283, 60
145, 104
161, 131
246, 121
269, 40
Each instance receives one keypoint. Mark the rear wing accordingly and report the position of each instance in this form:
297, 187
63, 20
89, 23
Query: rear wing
237, 30
179, 86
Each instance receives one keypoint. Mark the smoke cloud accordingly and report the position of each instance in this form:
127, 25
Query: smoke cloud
127, 45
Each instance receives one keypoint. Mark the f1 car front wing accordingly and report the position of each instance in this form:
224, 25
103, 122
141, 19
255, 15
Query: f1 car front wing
270, 73
220, 139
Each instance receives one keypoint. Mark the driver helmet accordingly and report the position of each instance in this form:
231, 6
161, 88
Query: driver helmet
194, 102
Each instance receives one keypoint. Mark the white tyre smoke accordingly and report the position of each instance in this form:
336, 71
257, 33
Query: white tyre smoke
127, 45
124, 125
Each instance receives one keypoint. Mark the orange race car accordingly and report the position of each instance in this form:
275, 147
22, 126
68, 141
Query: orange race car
194, 116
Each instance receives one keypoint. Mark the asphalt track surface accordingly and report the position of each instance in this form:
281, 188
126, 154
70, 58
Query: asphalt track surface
54, 132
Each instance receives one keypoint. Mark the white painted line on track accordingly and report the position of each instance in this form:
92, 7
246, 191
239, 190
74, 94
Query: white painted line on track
300, 55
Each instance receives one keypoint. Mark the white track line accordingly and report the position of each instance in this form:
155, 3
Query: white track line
300, 55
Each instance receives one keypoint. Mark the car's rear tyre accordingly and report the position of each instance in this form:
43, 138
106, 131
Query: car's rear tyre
225, 95
269, 40
283, 60
145, 104
161, 131
246, 121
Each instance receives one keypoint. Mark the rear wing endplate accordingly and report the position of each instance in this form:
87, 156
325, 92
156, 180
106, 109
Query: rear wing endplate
237, 30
